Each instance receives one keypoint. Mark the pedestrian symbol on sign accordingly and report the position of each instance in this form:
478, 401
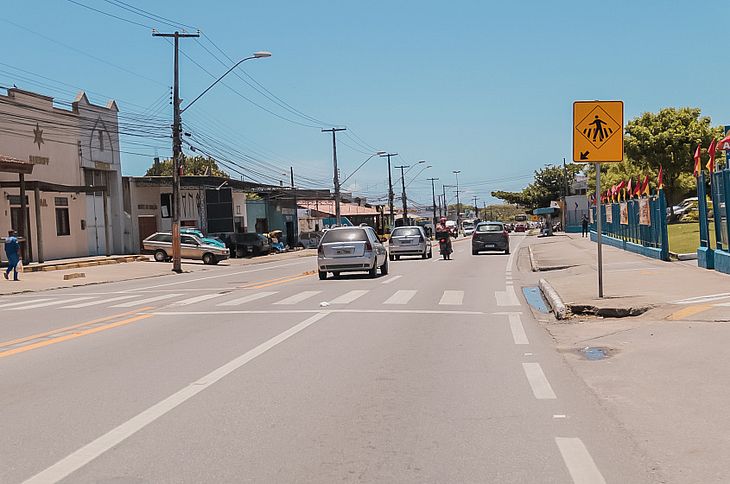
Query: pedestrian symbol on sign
599, 129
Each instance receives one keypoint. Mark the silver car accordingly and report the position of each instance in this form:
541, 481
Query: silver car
191, 247
410, 240
351, 249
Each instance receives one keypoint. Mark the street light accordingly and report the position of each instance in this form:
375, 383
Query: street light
377, 153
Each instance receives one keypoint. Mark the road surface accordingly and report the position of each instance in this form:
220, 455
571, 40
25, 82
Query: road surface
437, 372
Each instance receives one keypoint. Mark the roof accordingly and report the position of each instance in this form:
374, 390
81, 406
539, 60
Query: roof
8, 164
346, 209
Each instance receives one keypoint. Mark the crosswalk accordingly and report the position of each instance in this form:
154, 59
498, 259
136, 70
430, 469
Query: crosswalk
233, 299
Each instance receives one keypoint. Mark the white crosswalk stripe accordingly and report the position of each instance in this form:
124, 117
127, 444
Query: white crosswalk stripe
248, 298
49, 303
349, 297
197, 299
452, 298
401, 297
145, 301
391, 279
18, 303
101, 301
297, 298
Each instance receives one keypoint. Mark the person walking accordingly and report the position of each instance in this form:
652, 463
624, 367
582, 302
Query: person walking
584, 223
12, 251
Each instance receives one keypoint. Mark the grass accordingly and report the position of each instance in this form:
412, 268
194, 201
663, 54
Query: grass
684, 238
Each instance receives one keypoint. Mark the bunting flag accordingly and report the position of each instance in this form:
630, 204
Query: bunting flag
660, 178
630, 189
697, 158
645, 186
620, 188
711, 150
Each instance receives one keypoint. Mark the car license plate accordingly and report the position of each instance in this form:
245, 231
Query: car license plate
344, 251
489, 245
405, 242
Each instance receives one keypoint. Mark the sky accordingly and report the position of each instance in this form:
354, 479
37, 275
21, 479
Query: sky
483, 87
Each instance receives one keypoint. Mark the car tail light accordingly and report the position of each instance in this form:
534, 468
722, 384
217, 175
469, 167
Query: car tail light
320, 250
390, 240
505, 234
420, 238
368, 246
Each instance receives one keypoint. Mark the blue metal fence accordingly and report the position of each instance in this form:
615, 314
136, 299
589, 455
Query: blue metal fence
717, 257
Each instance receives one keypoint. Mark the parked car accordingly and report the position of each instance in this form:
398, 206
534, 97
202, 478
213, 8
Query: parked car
351, 249
199, 233
310, 240
191, 247
520, 227
242, 245
490, 236
411, 240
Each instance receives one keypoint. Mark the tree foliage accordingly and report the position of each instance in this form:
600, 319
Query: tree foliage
548, 185
193, 165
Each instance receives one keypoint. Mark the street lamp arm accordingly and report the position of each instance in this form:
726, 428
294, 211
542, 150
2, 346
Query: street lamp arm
378, 153
255, 56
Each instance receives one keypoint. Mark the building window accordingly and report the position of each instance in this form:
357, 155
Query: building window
62, 222
60, 201
101, 140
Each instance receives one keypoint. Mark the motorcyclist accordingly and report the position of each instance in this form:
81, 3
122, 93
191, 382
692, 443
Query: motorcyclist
443, 232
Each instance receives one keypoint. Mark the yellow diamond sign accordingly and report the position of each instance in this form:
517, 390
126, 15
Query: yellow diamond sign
598, 131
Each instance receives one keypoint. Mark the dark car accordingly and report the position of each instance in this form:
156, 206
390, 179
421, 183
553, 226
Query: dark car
242, 245
490, 236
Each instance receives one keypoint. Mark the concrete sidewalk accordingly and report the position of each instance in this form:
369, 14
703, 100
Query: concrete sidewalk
99, 270
633, 284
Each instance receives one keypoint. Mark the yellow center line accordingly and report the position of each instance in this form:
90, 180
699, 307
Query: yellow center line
254, 285
67, 337
290, 279
688, 311
68, 328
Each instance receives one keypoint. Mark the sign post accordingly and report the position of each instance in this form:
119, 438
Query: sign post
598, 137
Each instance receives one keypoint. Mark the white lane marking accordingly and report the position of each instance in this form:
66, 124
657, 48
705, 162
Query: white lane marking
579, 462
101, 301
538, 381
722, 305
508, 297
518, 331
79, 458
391, 279
297, 298
708, 297
49, 303
197, 299
217, 276
248, 298
558, 416
452, 298
528, 354
401, 297
348, 297
18, 303
309, 311
139, 302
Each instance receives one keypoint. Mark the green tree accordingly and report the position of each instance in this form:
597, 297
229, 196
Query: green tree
669, 138
193, 165
548, 185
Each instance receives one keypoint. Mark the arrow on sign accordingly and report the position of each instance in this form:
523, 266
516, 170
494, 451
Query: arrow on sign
584, 155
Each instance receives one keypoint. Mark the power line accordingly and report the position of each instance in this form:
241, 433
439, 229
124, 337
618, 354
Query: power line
108, 14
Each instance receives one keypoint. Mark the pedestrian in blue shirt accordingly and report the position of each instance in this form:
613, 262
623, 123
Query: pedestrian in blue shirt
12, 250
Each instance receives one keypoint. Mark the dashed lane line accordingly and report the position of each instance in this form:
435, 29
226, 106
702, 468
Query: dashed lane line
538, 381
578, 460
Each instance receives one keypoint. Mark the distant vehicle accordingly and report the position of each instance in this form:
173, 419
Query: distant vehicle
199, 233
468, 226
685, 206
191, 247
242, 245
490, 236
351, 249
453, 228
310, 240
409, 241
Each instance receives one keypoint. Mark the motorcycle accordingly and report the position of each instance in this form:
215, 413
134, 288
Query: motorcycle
444, 248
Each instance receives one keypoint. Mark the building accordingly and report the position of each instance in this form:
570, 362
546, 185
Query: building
68, 160
320, 214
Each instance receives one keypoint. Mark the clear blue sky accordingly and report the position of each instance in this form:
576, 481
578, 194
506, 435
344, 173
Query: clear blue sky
481, 86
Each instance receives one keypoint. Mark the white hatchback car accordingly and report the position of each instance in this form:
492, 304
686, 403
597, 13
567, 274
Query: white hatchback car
410, 240
351, 249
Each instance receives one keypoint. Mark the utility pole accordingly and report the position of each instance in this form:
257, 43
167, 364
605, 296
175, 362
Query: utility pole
177, 165
390, 189
446, 207
476, 207
291, 171
433, 195
338, 218
403, 193
458, 202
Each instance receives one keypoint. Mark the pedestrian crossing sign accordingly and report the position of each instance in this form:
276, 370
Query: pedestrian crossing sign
598, 131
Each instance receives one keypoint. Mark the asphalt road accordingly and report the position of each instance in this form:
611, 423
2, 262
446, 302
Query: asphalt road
437, 372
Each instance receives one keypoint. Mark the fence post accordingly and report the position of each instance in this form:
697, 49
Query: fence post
705, 254
725, 174
663, 225
716, 209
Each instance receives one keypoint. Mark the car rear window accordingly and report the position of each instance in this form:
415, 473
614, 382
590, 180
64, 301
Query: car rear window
406, 232
490, 228
345, 235
162, 238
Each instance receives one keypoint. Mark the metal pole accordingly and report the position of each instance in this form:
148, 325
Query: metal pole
336, 177
403, 192
433, 198
446, 207
598, 230
390, 189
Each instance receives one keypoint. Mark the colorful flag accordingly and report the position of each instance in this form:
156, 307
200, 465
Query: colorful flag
630, 189
660, 178
697, 158
645, 186
711, 150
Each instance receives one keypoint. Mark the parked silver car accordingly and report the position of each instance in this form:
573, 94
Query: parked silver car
409, 240
191, 247
351, 249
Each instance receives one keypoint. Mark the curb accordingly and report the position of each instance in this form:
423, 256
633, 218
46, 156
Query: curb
533, 261
553, 298
75, 265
